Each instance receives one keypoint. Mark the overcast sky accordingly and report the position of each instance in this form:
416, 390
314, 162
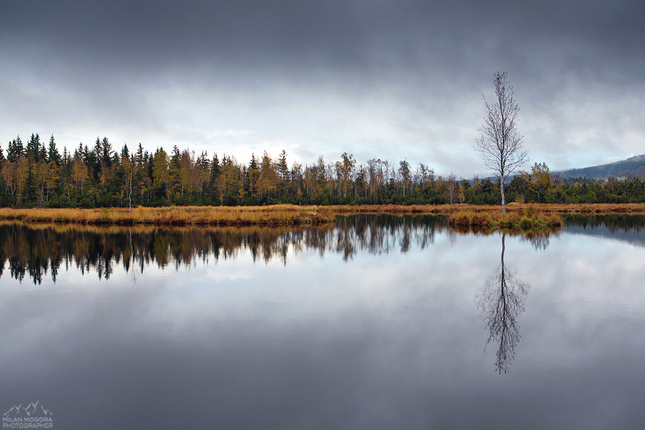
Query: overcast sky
375, 78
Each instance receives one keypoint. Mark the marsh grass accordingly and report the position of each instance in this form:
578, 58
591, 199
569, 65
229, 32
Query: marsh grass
525, 218
189, 215
590, 209
518, 215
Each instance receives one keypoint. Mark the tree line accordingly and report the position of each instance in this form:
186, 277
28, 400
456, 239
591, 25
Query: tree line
37, 174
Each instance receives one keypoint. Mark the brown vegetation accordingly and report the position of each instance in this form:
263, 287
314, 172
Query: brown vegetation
276, 215
529, 217
188, 215
590, 209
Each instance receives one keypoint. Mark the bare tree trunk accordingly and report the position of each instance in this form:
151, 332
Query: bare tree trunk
501, 187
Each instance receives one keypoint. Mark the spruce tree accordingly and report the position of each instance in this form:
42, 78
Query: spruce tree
52, 154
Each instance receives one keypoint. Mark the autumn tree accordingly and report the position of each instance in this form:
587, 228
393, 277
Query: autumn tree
268, 178
540, 180
344, 170
374, 176
405, 174
46, 178
186, 171
501, 145
452, 188
426, 175
14, 174
160, 171
79, 173
202, 172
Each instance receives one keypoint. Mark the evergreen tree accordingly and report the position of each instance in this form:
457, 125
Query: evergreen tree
34, 148
53, 155
252, 177
15, 150
214, 171
283, 168
215, 167
106, 153
139, 154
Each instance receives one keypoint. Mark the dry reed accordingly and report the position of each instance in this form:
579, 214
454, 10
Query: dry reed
221, 216
276, 215
526, 217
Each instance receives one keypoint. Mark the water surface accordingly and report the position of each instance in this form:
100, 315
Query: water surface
378, 322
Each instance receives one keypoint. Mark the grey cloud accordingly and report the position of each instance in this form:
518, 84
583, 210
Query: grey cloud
150, 34
397, 60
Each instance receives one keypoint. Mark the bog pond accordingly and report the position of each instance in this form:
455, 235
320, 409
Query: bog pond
377, 322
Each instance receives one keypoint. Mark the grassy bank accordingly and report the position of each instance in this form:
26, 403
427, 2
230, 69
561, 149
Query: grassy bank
584, 209
464, 215
186, 215
527, 218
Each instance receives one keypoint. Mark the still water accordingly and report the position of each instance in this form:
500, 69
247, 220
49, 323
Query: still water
375, 323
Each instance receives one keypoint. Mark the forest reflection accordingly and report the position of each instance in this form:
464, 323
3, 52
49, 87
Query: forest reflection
40, 251
613, 223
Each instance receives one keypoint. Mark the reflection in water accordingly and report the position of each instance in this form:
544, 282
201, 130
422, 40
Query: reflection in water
501, 303
613, 223
38, 250
540, 239
627, 228
390, 341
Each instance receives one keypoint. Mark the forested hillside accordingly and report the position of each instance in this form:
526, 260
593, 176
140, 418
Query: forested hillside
633, 166
38, 174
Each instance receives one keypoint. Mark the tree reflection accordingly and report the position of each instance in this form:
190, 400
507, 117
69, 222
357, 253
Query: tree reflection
501, 303
35, 251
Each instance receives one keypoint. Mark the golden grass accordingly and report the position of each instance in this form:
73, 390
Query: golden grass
189, 215
525, 217
591, 209
277, 215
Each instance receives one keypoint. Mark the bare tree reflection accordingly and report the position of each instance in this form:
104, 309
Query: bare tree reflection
501, 302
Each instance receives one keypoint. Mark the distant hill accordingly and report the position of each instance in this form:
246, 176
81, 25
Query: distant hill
620, 169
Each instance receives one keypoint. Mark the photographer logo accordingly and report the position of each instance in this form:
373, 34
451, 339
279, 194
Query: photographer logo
32, 416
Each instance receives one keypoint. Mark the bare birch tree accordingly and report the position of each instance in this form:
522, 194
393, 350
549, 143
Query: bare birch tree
501, 145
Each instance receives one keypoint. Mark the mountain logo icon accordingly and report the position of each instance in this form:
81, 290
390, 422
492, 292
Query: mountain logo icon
34, 409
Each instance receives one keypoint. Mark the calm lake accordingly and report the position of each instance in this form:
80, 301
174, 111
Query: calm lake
377, 322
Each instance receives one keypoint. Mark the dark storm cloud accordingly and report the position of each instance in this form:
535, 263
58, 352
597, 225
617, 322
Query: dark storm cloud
339, 34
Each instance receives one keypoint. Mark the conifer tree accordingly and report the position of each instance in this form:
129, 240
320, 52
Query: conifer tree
52, 154
15, 150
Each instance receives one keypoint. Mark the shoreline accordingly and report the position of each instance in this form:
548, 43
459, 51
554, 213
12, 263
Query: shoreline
279, 215
270, 216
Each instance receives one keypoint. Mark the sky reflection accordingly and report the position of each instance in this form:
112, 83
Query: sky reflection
378, 340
